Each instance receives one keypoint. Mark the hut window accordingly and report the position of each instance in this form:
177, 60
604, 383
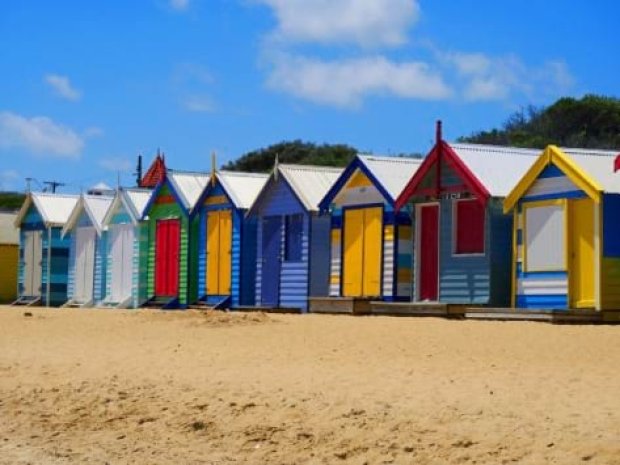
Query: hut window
469, 227
545, 246
294, 237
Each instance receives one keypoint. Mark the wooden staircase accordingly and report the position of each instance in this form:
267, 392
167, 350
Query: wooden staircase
26, 301
77, 304
162, 303
218, 302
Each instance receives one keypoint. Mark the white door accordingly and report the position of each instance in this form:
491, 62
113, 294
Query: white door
122, 262
32, 263
84, 264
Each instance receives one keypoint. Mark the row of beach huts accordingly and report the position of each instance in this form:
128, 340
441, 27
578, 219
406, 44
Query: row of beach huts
469, 229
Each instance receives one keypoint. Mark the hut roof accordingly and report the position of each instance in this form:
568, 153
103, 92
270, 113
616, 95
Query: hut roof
55, 209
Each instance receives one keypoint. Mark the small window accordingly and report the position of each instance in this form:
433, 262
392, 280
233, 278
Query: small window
294, 237
469, 227
545, 249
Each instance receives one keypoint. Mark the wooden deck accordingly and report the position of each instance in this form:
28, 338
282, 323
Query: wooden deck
266, 309
346, 305
575, 316
435, 309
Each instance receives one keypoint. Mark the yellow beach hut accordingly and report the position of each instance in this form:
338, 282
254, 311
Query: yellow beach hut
566, 233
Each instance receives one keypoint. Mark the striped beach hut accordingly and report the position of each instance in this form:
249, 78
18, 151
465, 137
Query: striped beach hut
43, 252
126, 254
461, 236
9, 256
87, 251
370, 242
227, 239
173, 239
567, 231
292, 239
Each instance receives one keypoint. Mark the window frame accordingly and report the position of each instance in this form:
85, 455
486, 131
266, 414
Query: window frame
455, 225
563, 204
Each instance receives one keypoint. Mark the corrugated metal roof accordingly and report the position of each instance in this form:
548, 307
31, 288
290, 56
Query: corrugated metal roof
243, 188
599, 165
392, 172
138, 199
189, 186
54, 208
310, 183
9, 234
498, 168
97, 206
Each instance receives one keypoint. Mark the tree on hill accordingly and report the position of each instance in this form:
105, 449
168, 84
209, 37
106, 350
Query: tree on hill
297, 152
11, 200
590, 122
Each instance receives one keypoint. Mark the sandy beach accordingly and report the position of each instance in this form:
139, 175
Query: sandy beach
148, 387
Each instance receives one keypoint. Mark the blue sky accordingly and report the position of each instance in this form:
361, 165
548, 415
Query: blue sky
86, 86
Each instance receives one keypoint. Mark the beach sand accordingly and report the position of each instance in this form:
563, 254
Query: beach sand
148, 387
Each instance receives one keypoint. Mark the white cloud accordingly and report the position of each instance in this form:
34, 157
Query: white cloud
364, 22
179, 5
39, 135
8, 180
62, 87
486, 78
345, 83
199, 104
116, 164
92, 132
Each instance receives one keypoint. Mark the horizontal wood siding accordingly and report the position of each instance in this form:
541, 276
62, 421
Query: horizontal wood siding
278, 199
462, 279
235, 283
610, 266
59, 250
248, 260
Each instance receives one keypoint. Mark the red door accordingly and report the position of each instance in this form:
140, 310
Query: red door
429, 252
167, 244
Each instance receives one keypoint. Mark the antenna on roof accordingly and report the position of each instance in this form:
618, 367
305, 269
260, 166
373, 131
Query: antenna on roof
53, 185
213, 168
276, 167
28, 181
138, 172
438, 131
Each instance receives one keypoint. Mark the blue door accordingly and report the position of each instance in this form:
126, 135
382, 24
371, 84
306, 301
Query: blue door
270, 275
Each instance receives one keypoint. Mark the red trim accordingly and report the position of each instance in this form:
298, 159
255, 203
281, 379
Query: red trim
471, 182
617, 163
155, 173
164, 199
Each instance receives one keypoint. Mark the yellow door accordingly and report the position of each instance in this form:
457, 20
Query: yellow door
582, 267
353, 253
373, 225
225, 251
219, 242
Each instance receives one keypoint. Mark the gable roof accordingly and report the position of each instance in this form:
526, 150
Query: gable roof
242, 188
389, 174
134, 200
487, 170
309, 183
55, 209
155, 174
188, 186
590, 170
95, 206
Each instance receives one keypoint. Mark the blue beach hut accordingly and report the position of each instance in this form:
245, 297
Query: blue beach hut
292, 239
227, 240
127, 249
87, 251
461, 236
43, 252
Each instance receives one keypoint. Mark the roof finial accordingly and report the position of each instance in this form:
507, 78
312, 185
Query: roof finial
213, 168
276, 167
438, 132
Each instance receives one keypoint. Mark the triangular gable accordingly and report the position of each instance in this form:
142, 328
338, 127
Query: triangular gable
160, 195
349, 173
552, 155
265, 191
155, 174
83, 206
444, 153
60, 209
215, 187
121, 201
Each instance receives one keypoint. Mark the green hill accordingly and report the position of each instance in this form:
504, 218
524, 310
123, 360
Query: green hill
590, 122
